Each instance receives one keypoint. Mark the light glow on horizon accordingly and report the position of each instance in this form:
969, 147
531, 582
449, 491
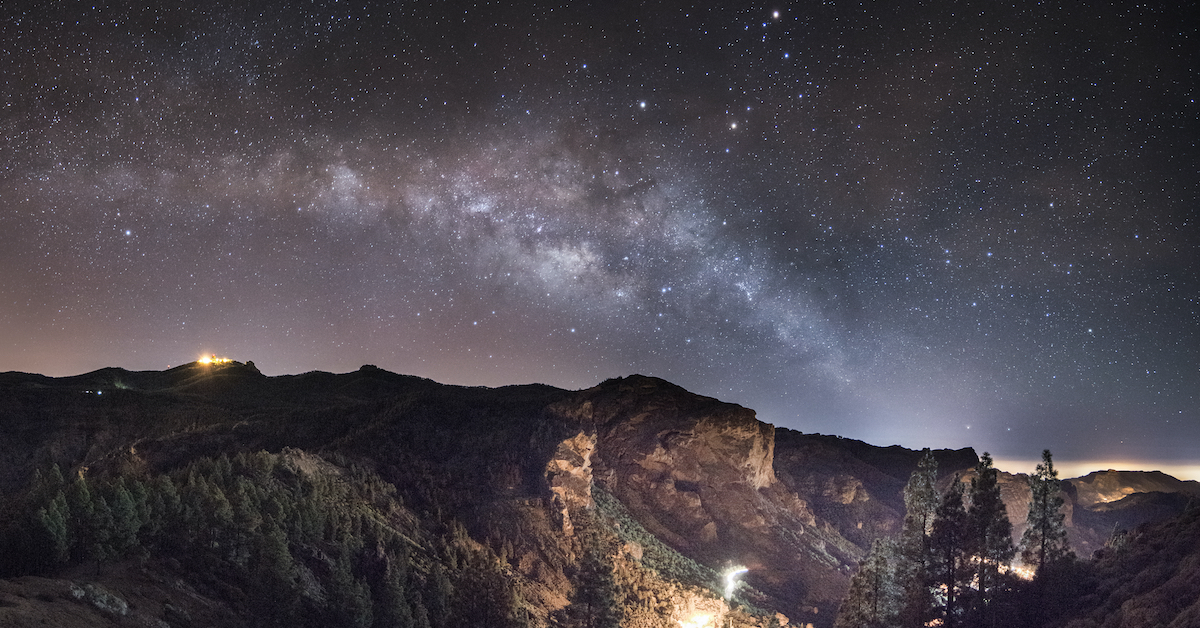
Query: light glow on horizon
1067, 469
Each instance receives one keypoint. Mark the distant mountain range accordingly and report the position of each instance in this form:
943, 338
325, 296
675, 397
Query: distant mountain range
521, 505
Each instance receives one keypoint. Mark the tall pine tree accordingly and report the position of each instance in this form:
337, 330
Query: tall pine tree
594, 602
874, 591
126, 524
948, 544
1045, 540
915, 561
990, 533
52, 531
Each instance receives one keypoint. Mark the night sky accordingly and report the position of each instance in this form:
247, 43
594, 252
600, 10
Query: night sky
932, 224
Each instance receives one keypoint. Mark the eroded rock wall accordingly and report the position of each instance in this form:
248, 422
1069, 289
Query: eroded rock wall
699, 474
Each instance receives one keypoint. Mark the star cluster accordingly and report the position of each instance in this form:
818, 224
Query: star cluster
933, 224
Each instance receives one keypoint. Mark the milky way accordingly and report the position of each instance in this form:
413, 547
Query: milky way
941, 224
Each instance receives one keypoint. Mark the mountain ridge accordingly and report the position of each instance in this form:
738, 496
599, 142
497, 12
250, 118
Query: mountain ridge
517, 466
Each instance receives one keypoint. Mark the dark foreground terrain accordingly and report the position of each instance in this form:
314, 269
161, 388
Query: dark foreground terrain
211, 495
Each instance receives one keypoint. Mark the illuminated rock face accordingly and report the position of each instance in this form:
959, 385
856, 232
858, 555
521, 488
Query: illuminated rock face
699, 474
1101, 487
569, 476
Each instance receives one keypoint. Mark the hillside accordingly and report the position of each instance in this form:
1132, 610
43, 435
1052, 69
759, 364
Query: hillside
1144, 578
521, 505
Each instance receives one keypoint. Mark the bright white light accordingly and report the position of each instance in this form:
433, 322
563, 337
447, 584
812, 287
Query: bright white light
731, 580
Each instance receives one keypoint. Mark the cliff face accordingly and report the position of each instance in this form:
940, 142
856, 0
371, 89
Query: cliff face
699, 474
854, 487
569, 477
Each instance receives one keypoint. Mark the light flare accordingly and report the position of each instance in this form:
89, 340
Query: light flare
731, 580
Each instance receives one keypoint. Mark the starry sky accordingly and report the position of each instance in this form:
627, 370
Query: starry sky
931, 223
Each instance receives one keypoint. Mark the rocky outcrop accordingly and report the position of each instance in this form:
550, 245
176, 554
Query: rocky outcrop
853, 486
700, 475
569, 476
1101, 487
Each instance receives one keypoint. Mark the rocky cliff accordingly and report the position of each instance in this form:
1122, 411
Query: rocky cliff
699, 474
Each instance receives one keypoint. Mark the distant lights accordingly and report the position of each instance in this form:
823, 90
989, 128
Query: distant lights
213, 359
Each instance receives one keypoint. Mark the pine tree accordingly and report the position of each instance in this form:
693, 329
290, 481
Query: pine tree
594, 602
52, 525
126, 523
164, 510
990, 532
349, 601
91, 522
420, 616
948, 542
141, 502
392, 608
915, 561
1045, 540
439, 594
874, 591
273, 572
46, 485
219, 513
101, 533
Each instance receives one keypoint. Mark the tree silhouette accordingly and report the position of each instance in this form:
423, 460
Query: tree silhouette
874, 592
1045, 540
948, 542
990, 533
126, 524
915, 561
594, 603
52, 522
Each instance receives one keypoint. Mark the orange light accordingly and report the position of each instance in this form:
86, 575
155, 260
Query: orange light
699, 620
